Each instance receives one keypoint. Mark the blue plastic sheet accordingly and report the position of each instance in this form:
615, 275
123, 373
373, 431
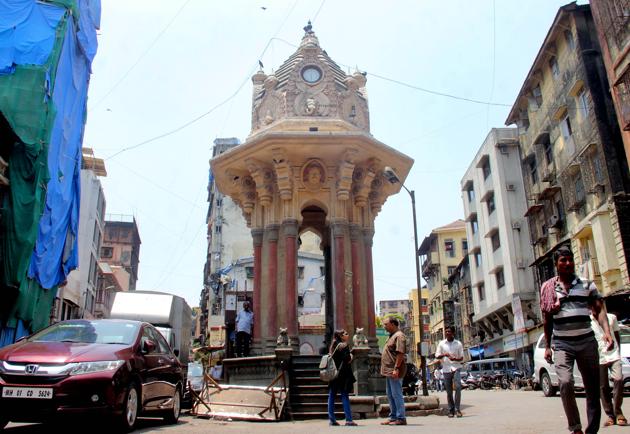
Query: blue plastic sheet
56, 251
27, 32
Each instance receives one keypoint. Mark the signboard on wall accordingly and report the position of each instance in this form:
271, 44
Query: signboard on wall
517, 310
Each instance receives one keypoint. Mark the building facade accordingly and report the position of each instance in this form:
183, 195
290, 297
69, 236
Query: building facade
121, 246
461, 306
502, 286
77, 298
576, 176
441, 252
612, 20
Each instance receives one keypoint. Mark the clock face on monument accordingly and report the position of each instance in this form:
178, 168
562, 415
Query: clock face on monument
311, 74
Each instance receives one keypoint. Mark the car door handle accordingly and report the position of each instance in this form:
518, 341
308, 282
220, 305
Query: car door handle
160, 361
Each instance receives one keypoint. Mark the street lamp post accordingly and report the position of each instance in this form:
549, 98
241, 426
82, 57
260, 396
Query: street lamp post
392, 177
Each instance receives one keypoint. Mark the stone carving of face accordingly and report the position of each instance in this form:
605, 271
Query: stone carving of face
314, 175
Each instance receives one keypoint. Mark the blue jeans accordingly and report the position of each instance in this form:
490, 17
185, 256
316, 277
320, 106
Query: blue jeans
449, 379
345, 400
395, 397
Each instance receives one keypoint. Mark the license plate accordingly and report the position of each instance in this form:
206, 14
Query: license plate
27, 392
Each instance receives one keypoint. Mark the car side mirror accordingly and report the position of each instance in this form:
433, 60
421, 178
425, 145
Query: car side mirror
176, 352
148, 346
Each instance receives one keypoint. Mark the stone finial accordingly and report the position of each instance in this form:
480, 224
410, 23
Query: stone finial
359, 339
283, 338
308, 28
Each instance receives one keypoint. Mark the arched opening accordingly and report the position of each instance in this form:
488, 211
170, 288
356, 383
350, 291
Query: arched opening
314, 279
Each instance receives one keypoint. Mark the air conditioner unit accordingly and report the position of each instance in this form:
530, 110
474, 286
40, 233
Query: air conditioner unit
520, 263
510, 187
503, 149
516, 225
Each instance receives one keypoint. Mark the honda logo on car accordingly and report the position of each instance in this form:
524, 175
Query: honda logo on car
31, 369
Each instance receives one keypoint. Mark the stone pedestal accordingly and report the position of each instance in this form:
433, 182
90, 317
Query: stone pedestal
360, 368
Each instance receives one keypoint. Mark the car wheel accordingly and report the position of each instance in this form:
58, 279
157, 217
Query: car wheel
131, 407
546, 386
172, 415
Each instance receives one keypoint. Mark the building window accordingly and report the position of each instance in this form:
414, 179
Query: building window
533, 169
565, 127
249, 272
450, 270
598, 171
486, 169
219, 202
107, 252
523, 119
500, 279
93, 269
300, 273
537, 96
568, 36
464, 246
478, 259
449, 246
548, 152
322, 271
424, 301
582, 103
491, 205
580, 195
474, 225
496, 241
471, 194
481, 291
217, 229
553, 65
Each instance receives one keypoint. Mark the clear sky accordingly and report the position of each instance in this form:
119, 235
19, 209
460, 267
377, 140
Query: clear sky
162, 64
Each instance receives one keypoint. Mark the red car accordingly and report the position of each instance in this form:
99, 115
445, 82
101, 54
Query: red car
114, 368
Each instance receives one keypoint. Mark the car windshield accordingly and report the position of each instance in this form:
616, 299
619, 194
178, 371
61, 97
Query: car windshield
93, 332
624, 334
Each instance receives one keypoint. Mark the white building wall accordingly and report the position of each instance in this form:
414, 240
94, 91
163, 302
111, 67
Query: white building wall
81, 286
515, 254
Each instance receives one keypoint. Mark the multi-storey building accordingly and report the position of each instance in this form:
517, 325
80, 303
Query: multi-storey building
503, 288
461, 307
442, 251
576, 176
77, 298
612, 20
121, 246
414, 325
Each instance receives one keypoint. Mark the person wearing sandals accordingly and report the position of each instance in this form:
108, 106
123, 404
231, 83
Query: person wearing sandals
344, 382
610, 361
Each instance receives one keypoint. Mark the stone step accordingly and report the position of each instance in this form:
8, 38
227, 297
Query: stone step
314, 398
308, 388
304, 415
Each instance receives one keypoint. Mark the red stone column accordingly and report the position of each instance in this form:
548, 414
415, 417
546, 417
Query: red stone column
257, 235
359, 315
368, 235
290, 229
272, 291
339, 276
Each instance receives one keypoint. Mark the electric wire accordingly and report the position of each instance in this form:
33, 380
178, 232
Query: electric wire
133, 66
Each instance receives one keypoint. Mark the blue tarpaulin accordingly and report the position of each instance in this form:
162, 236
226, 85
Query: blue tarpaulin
56, 251
27, 32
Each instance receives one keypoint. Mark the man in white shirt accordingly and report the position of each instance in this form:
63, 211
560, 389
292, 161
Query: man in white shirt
610, 362
451, 352
244, 322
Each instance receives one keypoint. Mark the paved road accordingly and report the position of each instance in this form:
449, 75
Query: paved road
493, 412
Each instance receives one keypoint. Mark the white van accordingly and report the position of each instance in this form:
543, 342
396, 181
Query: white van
545, 374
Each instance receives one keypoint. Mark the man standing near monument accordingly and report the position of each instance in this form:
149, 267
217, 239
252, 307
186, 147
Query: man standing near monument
393, 367
244, 321
451, 352
565, 301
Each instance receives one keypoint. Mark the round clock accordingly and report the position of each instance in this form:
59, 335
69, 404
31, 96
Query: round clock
311, 74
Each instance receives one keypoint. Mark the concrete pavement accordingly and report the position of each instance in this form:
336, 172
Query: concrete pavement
485, 411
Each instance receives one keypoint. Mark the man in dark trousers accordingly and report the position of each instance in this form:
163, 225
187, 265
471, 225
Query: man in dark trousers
244, 321
451, 352
566, 301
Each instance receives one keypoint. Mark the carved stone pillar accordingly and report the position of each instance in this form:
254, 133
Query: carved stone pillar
339, 273
257, 235
272, 283
290, 231
368, 235
359, 313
